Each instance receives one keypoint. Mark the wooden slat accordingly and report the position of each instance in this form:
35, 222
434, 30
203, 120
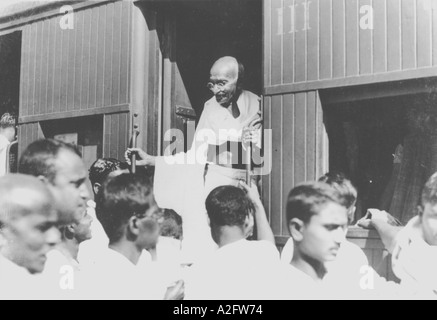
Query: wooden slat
339, 38
313, 42
393, 35
78, 60
424, 36
288, 153
33, 70
57, 76
352, 26
66, 35
301, 42
267, 41
94, 56
409, 42
288, 43
311, 160
380, 37
276, 52
44, 70
108, 72
115, 127
366, 45
51, 60
100, 57
122, 135
86, 57
125, 52
325, 16
117, 48
300, 138
73, 51
276, 199
24, 79
107, 136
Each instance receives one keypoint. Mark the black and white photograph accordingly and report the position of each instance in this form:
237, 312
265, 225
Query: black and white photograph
233, 151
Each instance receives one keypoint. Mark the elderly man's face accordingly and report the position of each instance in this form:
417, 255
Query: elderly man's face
223, 83
69, 188
31, 236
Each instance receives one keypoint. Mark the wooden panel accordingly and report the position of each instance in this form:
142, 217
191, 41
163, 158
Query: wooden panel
325, 39
339, 41
65, 42
289, 151
288, 42
424, 39
277, 176
45, 39
115, 63
57, 71
311, 123
94, 57
24, 79
300, 136
301, 41
71, 62
267, 41
115, 135
125, 53
100, 54
38, 63
32, 65
109, 53
86, 56
313, 41
366, 50
51, 60
277, 34
380, 37
408, 18
352, 25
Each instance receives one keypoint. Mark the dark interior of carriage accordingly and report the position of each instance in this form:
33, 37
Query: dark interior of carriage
381, 136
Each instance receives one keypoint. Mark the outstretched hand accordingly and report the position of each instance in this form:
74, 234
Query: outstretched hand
252, 191
175, 292
143, 159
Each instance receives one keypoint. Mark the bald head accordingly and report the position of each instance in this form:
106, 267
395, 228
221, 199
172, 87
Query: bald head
225, 76
28, 221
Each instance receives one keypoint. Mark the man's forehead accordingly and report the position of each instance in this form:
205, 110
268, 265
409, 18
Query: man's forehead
332, 212
67, 162
224, 70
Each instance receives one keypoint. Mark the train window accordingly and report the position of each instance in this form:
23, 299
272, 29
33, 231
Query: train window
382, 137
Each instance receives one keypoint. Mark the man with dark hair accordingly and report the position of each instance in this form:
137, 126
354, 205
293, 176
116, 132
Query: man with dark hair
8, 133
60, 166
239, 269
317, 222
130, 218
101, 169
27, 232
229, 120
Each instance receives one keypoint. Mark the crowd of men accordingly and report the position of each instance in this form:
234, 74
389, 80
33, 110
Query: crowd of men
56, 243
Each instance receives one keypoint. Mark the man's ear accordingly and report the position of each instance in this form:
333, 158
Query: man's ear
133, 226
96, 187
69, 232
419, 211
296, 227
249, 224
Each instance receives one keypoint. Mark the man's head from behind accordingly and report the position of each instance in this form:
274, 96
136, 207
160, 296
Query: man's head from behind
60, 166
8, 124
225, 80
317, 220
28, 221
345, 189
102, 168
229, 210
428, 210
129, 211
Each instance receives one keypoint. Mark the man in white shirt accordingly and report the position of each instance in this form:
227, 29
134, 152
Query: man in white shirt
239, 269
130, 218
182, 182
414, 258
8, 134
27, 233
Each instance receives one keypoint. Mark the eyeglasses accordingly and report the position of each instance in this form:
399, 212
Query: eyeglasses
219, 85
